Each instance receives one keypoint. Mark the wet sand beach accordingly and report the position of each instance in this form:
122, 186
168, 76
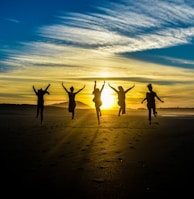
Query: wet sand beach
123, 157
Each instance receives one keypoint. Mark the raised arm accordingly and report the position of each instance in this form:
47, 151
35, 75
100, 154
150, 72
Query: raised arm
102, 87
94, 85
64, 88
34, 89
113, 88
80, 89
47, 88
130, 88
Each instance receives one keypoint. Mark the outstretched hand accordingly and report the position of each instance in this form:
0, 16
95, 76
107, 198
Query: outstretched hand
143, 100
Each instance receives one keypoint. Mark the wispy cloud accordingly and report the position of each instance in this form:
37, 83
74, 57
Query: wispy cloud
83, 47
113, 28
95, 40
128, 27
12, 20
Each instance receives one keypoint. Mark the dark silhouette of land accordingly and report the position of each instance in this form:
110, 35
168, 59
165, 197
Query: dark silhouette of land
79, 105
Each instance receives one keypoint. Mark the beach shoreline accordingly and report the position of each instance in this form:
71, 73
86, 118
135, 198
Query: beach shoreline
120, 158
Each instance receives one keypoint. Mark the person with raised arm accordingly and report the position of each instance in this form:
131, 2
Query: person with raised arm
40, 100
72, 102
97, 100
121, 97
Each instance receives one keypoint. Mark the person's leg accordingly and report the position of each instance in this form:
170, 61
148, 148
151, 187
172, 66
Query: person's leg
120, 109
154, 110
37, 111
149, 114
41, 114
97, 113
123, 108
73, 113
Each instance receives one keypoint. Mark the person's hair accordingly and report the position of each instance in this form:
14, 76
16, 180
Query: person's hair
149, 86
71, 88
120, 88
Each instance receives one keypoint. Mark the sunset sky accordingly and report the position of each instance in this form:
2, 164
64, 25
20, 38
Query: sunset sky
122, 42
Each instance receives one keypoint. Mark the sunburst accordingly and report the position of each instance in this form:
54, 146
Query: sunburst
108, 100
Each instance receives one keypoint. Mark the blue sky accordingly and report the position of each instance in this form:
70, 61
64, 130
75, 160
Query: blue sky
123, 42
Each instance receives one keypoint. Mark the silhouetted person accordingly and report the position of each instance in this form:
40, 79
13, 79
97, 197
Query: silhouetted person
97, 100
121, 97
72, 102
151, 105
40, 101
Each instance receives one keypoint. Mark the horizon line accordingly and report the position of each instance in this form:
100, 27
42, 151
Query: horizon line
55, 105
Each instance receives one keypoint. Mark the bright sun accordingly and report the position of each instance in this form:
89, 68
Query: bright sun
108, 100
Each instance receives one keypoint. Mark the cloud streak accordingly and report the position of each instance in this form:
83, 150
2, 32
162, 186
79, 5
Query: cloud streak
114, 28
12, 20
129, 27
96, 45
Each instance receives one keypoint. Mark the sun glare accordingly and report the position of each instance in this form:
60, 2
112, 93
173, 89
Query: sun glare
108, 100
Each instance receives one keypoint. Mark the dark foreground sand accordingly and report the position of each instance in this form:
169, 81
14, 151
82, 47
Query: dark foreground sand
123, 157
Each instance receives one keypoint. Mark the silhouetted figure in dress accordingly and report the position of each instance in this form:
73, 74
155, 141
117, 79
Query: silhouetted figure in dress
151, 104
121, 97
40, 101
72, 102
97, 100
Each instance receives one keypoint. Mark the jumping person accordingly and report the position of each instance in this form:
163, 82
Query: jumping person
121, 97
97, 100
40, 101
72, 102
151, 105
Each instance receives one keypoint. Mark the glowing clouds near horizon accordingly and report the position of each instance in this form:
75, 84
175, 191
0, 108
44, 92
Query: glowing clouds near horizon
80, 48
